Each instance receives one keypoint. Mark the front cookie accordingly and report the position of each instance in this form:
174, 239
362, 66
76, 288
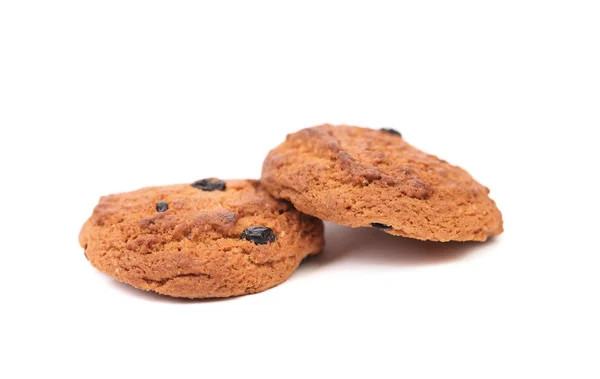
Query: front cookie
363, 177
212, 238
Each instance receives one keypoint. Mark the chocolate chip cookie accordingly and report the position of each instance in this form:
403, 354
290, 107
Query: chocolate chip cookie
364, 177
211, 238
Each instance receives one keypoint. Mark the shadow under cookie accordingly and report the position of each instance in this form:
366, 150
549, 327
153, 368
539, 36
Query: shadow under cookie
374, 247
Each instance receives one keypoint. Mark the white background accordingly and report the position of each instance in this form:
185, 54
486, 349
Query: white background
111, 96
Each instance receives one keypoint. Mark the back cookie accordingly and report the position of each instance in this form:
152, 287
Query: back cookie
363, 177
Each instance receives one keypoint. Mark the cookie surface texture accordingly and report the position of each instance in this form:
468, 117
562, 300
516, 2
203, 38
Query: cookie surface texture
365, 177
206, 239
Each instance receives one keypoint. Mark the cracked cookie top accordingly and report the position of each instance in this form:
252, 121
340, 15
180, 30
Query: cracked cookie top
364, 177
211, 238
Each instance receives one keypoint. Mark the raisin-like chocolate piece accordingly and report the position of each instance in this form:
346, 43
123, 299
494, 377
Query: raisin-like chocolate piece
260, 235
161, 206
380, 226
210, 184
392, 132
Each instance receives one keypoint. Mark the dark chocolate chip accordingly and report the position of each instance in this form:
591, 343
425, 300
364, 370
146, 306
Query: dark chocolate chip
380, 226
210, 184
260, 235
161, 206
392, 131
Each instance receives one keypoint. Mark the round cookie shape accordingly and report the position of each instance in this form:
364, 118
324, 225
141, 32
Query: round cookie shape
365, 177
185, 241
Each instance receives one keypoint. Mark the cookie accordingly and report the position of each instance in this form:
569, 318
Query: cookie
364, 177
212, 238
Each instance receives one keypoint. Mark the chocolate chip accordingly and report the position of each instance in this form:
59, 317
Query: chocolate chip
161, 206
260, 235
380, 226
210, 184
392, 131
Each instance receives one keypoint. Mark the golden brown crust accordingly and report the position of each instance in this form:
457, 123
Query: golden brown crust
358, 177
194, 248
